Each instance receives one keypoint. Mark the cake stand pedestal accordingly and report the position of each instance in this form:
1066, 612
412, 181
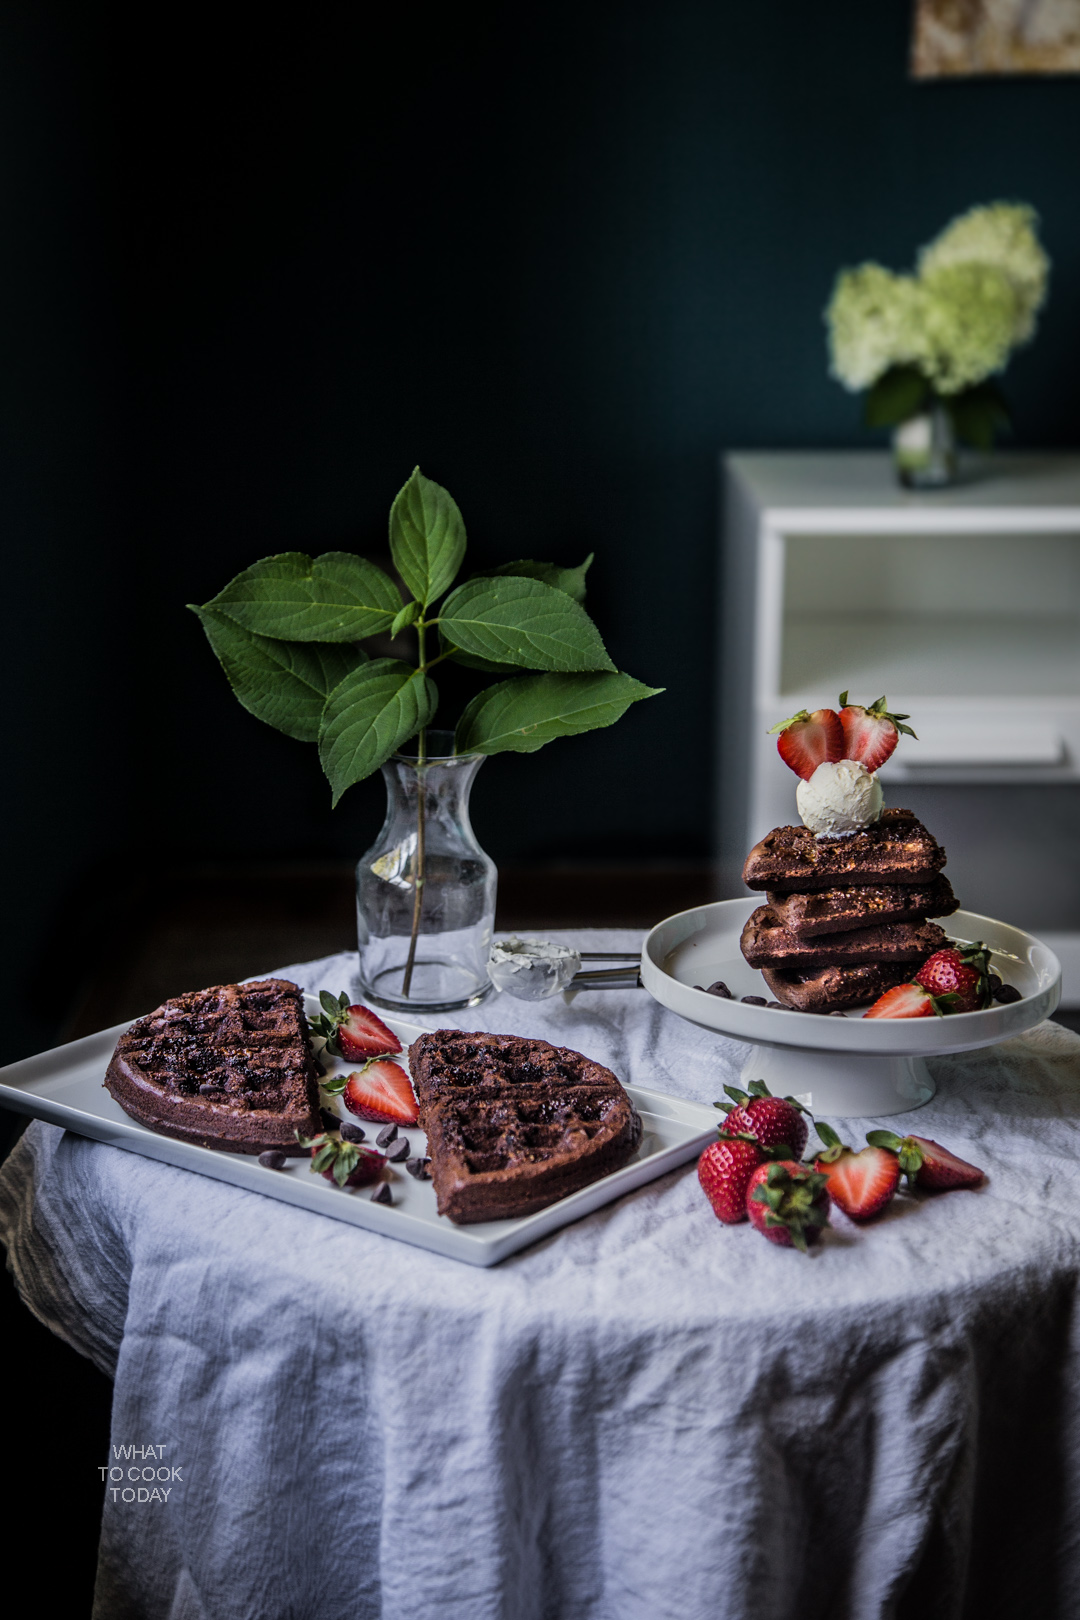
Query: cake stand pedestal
852, 1067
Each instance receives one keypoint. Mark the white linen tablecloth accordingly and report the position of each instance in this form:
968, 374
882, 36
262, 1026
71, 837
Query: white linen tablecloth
647, 1415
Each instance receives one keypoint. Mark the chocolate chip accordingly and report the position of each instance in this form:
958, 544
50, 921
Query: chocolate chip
699, 987
837, 1014
399, 1150
1007, 993
331, 1121
779, 1005
754, 1001
419, 1169
720, 989
353, 1133
273, 1159
387, 1134
995, 981
382, 1194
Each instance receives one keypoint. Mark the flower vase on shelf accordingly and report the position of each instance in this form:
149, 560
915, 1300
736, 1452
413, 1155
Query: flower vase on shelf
425, 890
924, 449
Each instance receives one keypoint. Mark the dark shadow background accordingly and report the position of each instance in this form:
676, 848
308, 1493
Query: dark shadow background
255, 266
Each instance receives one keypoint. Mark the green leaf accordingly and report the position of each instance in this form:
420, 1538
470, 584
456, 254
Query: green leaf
284, 683
570, 580
335, 597
522, 715
900, 393
525, 623
408, 615
369, 715
470, 661
427, 537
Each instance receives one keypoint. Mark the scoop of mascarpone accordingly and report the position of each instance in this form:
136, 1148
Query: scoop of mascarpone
839, 799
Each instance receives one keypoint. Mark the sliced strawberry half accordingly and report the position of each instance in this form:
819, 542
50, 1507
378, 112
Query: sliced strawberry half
870, 734
381, 1091
907, 1001
862, 1184
352, 1031
927, 1164
808, 740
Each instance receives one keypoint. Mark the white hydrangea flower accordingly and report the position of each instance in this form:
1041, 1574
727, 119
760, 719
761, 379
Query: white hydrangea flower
873, 320
1003, 236
969, 318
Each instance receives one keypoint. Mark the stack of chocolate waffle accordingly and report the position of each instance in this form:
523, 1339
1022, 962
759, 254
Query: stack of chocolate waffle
513, 1123
846, 918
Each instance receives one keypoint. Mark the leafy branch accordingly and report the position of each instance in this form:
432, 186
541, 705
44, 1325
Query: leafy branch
288, 633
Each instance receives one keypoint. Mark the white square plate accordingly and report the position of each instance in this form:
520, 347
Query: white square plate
65, 1087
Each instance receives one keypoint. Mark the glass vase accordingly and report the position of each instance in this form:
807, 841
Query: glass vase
425, 890
924, 449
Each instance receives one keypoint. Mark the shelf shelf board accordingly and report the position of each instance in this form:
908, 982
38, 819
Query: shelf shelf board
932, 655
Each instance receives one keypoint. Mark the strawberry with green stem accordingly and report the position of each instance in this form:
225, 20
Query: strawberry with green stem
909, 1001
788, 1203
381, 1091
809, 740
927, 1164
352, 1031
769, 1120
958, 977
343, 1162
861, 1184
871, 733
726, 1167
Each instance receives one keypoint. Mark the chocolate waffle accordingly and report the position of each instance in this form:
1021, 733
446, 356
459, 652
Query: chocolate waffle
767, 942
229, 1067
835, 911
514, 1124
833, 989
895, 850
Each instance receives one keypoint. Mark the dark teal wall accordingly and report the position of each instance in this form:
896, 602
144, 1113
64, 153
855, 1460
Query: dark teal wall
559, 260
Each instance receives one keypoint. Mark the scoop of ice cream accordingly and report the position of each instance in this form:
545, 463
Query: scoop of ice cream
532, 969
839, 799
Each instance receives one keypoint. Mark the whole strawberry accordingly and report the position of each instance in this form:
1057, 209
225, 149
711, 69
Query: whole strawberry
788, 1203
773, 1121
961, 973
927, 1164
342, 1162
724, 1171
861, 1184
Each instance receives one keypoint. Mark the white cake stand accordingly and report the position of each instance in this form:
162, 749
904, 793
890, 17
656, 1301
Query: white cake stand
851, 1066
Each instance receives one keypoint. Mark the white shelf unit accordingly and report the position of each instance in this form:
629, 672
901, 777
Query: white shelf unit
963, 607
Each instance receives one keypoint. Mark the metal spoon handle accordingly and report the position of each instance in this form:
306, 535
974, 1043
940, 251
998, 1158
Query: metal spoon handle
610, 956
620, 978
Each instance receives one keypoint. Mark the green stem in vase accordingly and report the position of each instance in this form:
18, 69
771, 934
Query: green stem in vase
418, 864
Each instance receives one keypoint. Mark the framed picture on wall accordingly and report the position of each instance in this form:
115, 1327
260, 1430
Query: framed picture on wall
968, 38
